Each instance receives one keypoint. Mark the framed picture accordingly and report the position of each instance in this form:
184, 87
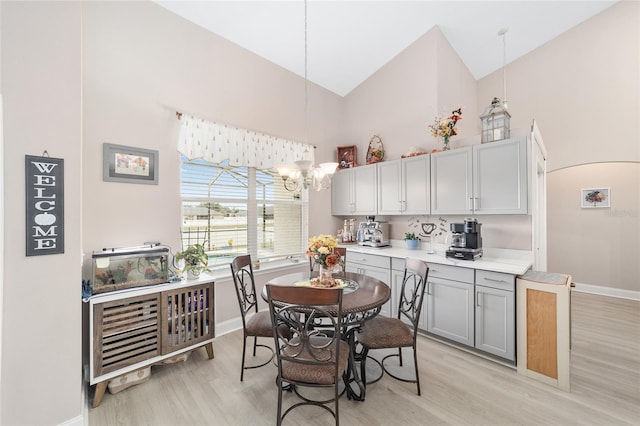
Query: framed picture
347, 157
128, 164
595, 197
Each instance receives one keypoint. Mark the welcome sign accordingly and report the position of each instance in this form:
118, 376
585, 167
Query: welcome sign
45, 205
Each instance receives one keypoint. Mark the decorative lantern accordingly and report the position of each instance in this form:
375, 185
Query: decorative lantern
495, 122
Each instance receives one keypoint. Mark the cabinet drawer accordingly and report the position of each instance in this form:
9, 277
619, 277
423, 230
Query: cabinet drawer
454, 273
397, 264
368, 259
496, 280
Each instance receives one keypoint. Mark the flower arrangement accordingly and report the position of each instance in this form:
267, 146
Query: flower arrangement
446, 127
321, 250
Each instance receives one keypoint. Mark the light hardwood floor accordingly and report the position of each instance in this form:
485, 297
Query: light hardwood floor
458, 388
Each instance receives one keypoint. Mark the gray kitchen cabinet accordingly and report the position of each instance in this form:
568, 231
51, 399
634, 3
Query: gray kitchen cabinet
483, 179
449, 309
495, 313
374, 266
404, 186
354, 192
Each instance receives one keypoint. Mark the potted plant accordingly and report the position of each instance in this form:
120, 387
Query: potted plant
412, 241
195, 260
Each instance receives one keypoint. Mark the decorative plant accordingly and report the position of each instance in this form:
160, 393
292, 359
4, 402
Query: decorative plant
410, 236
321, 250
445, 127
195, 259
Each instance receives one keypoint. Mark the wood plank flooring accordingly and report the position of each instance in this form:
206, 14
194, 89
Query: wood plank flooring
458, 388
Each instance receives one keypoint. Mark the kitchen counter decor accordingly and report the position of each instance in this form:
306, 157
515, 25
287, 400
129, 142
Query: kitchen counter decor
445, 127
321, 250
375, 152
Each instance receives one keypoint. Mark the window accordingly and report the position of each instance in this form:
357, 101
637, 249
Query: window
239, 210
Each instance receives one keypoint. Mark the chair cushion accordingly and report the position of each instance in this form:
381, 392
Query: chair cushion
315, 374
383, 332
259, 324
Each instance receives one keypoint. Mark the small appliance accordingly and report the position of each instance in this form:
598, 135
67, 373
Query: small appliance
466, 240
372, 233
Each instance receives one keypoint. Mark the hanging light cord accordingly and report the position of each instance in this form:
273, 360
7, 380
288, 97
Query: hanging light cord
503, 33
306, 90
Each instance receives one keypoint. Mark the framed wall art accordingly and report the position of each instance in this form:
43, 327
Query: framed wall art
130, 165
347, 157
595, 197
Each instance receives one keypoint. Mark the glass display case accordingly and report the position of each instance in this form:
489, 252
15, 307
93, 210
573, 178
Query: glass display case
117, 269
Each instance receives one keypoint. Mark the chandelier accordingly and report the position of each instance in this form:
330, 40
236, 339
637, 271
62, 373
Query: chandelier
303, 174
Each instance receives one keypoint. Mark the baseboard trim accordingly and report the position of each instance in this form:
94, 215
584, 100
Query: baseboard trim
607, 291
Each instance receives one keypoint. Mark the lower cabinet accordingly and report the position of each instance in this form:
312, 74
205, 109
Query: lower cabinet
495, 314
450, 309
134, 329
374, 266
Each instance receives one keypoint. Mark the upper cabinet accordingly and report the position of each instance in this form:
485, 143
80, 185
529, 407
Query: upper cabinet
353, 191
483, 179
403, 186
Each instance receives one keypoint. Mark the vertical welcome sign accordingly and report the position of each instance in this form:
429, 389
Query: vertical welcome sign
45, 205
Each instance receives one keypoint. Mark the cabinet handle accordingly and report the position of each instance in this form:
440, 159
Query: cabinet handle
475, 203
429, 287
494, 280
478, 298
470, 204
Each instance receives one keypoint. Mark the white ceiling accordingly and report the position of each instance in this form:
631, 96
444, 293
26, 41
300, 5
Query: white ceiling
347, 41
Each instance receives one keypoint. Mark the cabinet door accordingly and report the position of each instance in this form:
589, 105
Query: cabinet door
450, 310
125, 332
416, 191
500, 177
187, 316
390, 193
495, 322
341, 190
364, 190
451, 182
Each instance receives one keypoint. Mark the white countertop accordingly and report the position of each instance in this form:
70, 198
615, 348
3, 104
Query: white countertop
515, 262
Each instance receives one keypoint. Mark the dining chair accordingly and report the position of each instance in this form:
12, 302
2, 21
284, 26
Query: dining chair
254, 323
383, 332
308, 356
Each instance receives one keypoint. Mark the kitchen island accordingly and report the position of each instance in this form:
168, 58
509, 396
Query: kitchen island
467, 303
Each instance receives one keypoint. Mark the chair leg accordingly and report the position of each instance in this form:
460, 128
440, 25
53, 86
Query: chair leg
363, 366
244, 350
415, 363
255, 344
400, 356
279, 381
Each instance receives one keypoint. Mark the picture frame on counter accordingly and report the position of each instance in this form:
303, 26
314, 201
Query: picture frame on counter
347, 157
129, 164
593, 198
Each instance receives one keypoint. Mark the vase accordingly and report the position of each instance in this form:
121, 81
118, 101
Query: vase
445, 146
193, 274
325, 275
412, 244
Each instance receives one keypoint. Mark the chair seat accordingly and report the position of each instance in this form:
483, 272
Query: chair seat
316, 374
259, 324
383, 332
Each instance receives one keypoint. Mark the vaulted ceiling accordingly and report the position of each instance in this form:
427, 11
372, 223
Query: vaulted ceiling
347, 41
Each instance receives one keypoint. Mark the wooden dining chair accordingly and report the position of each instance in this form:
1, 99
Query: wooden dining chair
308, 356
401, 332
254, 323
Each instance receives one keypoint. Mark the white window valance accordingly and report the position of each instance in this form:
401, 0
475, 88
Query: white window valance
216, 142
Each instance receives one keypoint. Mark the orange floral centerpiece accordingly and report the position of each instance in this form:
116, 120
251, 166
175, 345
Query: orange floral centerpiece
321, 251
445, 127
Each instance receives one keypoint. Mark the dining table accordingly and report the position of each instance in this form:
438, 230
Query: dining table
362, 299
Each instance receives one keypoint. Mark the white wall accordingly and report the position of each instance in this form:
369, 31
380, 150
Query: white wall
41, 335
583, 89
141, 65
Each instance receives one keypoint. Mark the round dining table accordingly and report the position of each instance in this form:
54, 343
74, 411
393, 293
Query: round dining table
362, 299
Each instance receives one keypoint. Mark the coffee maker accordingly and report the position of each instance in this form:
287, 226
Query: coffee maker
372, 233
466, 240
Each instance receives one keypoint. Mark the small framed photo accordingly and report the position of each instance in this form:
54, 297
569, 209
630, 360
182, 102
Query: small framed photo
128, 164
595, 198
347, 157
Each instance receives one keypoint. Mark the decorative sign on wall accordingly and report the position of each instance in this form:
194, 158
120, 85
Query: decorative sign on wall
44, 180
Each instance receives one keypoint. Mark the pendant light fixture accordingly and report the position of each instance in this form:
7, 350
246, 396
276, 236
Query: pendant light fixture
303, 174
